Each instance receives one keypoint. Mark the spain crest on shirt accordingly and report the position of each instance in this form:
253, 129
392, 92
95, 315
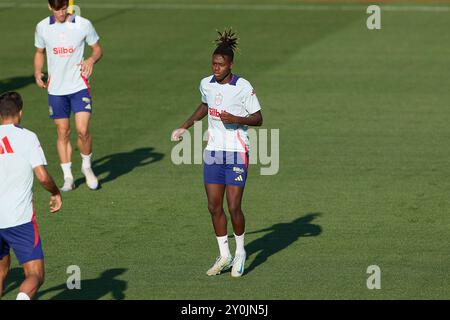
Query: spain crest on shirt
219, 99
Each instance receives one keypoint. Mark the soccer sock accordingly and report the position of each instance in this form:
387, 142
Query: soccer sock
86, 161
223, 246
22, 296
239, 243
67, 170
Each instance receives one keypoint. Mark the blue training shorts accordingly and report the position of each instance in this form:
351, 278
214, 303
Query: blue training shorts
61, 107
24, 240
224, 167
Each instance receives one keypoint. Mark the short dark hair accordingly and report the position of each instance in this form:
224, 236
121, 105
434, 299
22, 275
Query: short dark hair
227, 43
10, 104
58, 4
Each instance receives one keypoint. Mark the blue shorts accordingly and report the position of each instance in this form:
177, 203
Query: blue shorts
61, 107
223, 167
24, 240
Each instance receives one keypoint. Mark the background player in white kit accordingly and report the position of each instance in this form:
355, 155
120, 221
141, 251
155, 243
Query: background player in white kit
21, 155
231, 105
62, 37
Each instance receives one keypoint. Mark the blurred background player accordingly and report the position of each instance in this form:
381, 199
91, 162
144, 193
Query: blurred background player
20, 155
62, 36
231, 105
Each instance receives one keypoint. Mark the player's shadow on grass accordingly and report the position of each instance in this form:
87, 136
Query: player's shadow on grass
92, 289
281, 236
13, 280
16, 83
119, 164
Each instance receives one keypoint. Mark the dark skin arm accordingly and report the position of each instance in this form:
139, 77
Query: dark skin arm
255, 119
198, 115
47, 182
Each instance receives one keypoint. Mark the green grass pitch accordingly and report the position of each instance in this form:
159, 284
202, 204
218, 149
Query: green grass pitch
364, 148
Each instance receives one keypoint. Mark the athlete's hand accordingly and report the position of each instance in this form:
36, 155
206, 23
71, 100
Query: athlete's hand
86, 68
177, 134
38, 76
228, 118
55, 203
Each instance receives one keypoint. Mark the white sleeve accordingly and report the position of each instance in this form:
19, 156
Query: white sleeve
36, 155
203, 94
39, 41
91, 35
251, 102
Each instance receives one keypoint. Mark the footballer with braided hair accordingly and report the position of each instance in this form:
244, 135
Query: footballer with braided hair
231, 105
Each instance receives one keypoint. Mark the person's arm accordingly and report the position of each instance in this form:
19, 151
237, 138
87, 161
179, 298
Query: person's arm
254, 119
47, 182
39, 58
87, 66
198, 115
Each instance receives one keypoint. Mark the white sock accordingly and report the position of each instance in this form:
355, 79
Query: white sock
239, 243
67, 170
223, 246
22, 296
86, 161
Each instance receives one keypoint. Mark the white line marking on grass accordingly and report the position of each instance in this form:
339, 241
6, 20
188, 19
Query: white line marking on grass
252, 7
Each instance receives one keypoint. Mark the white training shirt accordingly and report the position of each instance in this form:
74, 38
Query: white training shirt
20, 153
236, 97
64, 43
